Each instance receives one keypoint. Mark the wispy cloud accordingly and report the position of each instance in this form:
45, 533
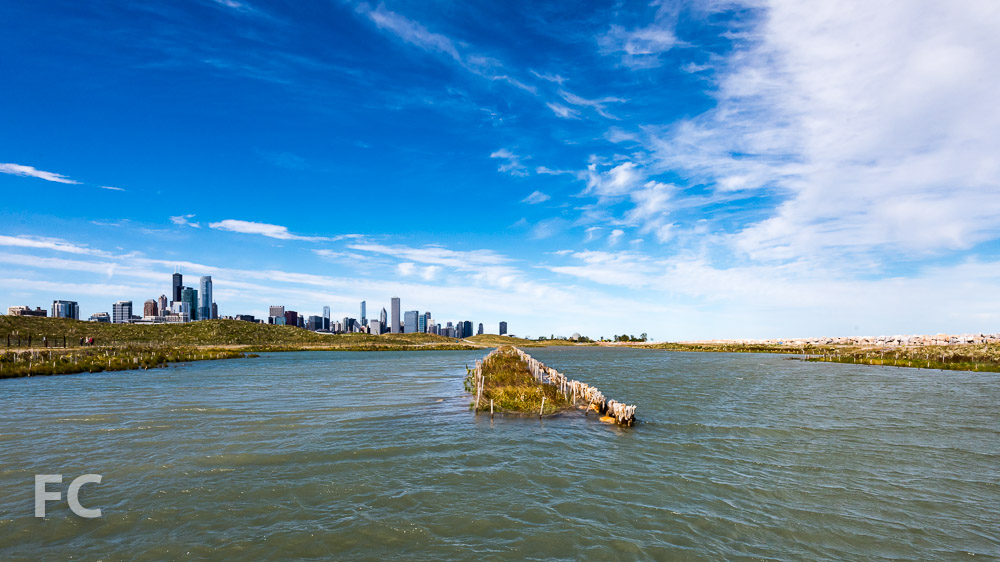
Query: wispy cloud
108, 187
28, 171
536, 197
264, 229
549, 77
408, 30
638, 48
511, 162
563, 111
598, 105
54, 244
184, 220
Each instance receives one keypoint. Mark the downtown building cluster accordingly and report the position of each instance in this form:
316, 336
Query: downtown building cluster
394, 321
188, 304
185, 304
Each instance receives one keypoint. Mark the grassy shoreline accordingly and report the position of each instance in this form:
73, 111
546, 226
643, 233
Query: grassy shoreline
955, 357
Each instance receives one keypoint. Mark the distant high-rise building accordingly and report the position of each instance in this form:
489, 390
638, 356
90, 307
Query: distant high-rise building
374, 327
364, 314
314, 323
394, 326
101, 317
435, 329
383, 321
205, 298
161, 304
246, 317
422, 323
121, 312
190, 296
466, 329
276, 320
150, 308
26, 311
178, 286
326, 317
215, 310
480, 332
65, 309
291, 318
503, 328
410, 321
428, 322
276, 311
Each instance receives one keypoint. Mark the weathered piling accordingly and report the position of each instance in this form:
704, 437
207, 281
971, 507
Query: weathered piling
562, 392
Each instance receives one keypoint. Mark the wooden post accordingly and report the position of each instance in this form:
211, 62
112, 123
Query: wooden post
542, 409
491, 408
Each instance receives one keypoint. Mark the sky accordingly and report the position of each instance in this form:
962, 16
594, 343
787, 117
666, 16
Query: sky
689, 170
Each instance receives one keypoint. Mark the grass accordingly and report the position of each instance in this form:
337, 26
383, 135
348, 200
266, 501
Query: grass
17, 363
492, 340
959, 357
127, 346
507, 381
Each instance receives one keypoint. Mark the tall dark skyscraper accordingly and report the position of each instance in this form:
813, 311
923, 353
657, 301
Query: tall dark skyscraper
395, 327
364, 314
178, 286
503, 328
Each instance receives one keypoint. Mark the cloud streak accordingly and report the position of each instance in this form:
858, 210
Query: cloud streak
31, 172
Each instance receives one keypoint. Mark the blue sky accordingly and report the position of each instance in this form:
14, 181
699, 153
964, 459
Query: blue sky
689, 170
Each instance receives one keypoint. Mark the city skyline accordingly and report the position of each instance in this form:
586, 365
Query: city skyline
690, 171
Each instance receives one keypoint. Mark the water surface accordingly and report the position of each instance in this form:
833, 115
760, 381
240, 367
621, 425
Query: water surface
372, 455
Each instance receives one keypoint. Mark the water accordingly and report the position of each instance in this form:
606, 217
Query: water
375, 455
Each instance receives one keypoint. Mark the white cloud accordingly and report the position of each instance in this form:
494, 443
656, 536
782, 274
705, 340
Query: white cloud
28, 171
617, 181
437, 255
638, 48
563, 111
264, 229
408, 30
512, 163
875, 122
54, 244
615, 236
184, 220
110, 188
598, 105
549, 77
536, 197
406, 268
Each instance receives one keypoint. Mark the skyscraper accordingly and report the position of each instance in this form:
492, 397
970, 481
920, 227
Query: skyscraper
503, 328
383, 319
276, 311
422, 323
163, 305
178, 286
394, 326
150, 308
65, 309
121, 312
205, 298
480, 332
466, 329
364, 315
326, 317
190, 296
410, 321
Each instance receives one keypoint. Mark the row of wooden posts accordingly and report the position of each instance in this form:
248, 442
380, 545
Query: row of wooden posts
622, 413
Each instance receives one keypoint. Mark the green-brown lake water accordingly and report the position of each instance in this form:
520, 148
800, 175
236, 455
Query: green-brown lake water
376, 455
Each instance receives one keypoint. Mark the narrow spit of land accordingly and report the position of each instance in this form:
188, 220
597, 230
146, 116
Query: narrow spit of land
954, 357
509, 381
31, 346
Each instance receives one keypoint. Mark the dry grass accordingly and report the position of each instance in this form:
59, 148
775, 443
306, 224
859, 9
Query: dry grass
507, 381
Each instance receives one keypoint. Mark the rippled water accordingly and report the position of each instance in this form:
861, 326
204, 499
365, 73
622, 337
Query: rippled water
320, 455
